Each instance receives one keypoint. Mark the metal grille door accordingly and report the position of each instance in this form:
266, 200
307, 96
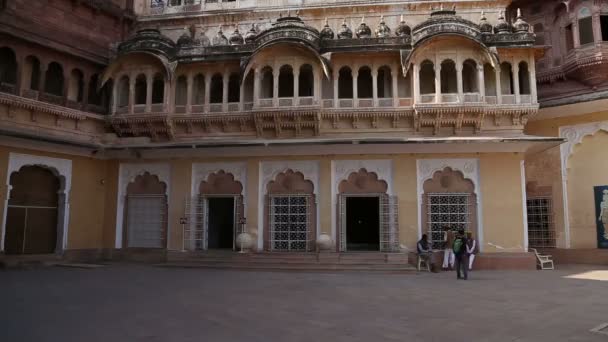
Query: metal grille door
290, 228
389, 224
541, 233
446, 211
146, 221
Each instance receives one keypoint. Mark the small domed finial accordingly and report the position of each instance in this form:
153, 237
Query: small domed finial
519, 12
363, 20
401, 18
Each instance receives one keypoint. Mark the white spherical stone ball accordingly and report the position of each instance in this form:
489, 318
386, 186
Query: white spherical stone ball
324, 242
244, 241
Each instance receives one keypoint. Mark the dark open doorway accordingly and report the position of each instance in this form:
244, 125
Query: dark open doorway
221, 223
362, 224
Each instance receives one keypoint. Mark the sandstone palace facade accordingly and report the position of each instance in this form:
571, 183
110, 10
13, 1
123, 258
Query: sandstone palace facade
151, 127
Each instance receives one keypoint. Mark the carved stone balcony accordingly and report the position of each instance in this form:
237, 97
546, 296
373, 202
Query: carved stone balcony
588, 64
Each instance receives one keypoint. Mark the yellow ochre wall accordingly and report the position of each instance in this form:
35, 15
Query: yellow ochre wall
93, 204
586, 168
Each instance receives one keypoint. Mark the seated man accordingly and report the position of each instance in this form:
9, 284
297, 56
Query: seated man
424, 250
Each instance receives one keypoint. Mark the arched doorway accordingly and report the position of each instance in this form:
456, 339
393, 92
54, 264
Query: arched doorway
290, 213
449, 202
146, 213
367, 218
32, 212
220, 209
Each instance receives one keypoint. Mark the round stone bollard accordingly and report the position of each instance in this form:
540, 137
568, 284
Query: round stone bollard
324, 243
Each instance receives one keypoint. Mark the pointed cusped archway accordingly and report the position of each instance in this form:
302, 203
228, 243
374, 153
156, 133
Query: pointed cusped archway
219, 212
290, 212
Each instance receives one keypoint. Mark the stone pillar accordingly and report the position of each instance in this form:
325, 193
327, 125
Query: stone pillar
394, 81
256, 87
459, 84
355, 74
169, 96
481, 86
207, 91
225, 82
114, 97
190, 81
597, 28
498, 85
149, 83
516, 82
575, 35
131, 93
66, 86
242, 95
336, 89
317, 76
296, 87
532, 72
86, 80
416, 74
375, 87
275, 87
438, 83
42, 80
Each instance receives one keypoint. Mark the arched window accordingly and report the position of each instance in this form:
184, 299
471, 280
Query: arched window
234, 88
8, 66
448, 77
158, 89
384, 80
345, 83
489, 79
105, 95
469, 77
306, 81
506, 79
286, 81
76, 86
524, 79
404, 84
181, 91
365, 83
94, 97
267, 83
198, 90
32, 72
54, 80
585, 26
427, 77
141, 89
217, 89
123, 92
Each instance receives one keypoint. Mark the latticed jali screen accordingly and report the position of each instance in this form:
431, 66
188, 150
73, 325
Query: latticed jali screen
290, 228
146, 221
447, 211
541, 232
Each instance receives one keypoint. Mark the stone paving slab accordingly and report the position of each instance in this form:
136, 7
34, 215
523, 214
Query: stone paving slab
143, 303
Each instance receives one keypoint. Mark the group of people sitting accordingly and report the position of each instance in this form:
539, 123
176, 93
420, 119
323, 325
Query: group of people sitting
459, 251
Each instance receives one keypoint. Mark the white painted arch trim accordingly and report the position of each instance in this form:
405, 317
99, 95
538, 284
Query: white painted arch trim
341, 169
268, 172
425, 168
202, 171
61, 168
574, 135
126, 175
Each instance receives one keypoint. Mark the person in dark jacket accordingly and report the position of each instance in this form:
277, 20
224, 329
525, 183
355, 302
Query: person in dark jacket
459, 247
424, 250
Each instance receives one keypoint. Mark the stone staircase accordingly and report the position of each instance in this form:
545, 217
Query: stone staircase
282, 261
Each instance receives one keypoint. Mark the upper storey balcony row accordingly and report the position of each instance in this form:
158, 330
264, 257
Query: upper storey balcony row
451, 82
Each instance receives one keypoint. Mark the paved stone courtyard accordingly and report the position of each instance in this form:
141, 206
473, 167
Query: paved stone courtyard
145, 303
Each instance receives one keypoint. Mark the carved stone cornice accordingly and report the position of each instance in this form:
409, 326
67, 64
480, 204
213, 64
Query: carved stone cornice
38, 106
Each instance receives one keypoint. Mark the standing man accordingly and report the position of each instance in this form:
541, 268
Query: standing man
471, 249
460, 253
448, 254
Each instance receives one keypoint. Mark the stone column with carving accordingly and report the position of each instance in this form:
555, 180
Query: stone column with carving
256, 87
296, 87
355, 74
575, 35
459, 84
498, 84
597, 28
149, 84
275, 87
375, 87
481, 83
416, 73
516, 82
394, 81
86, 80
242, 95
190, 81
336, 89
437, 83
66, 86
131, 93
316, 89
532, 71
207, 91
115, 97
225, 84
42, 79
